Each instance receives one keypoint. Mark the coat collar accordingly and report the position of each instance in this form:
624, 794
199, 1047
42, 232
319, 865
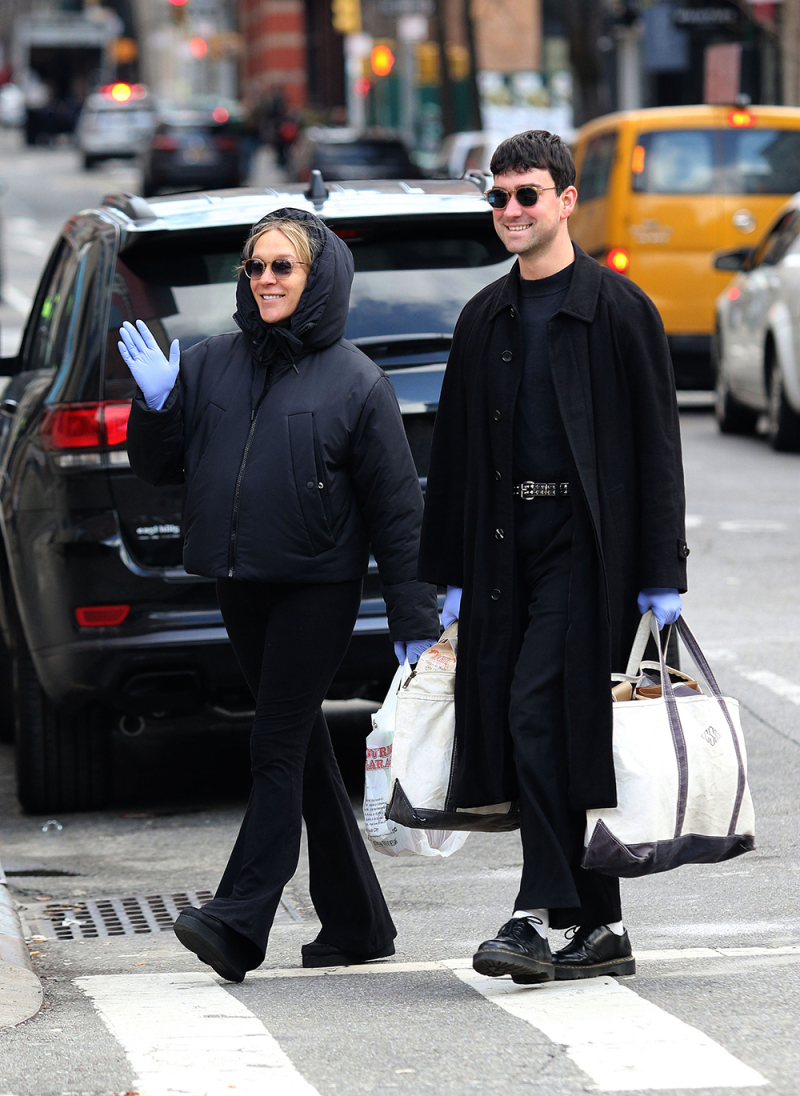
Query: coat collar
581, 300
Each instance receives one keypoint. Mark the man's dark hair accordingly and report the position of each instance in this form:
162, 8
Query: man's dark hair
536, 148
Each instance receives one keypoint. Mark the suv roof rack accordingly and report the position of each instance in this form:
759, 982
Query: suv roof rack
132, 205
472, 175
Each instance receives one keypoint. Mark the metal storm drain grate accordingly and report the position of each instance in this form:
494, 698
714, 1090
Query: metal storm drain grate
94, 918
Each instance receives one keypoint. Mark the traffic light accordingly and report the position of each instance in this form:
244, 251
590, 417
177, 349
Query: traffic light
382, 60
346, 16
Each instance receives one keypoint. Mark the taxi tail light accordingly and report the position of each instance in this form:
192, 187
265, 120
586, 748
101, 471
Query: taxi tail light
85, 425
101, 616
162, 143
618, 259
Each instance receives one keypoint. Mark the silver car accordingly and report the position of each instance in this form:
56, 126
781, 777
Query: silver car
116, 121
757, 347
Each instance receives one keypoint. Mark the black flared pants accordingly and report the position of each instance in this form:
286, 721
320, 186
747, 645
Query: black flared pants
552, 831
289, 641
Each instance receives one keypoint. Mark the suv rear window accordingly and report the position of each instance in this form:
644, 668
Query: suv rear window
412, 278
676, 161
707, 161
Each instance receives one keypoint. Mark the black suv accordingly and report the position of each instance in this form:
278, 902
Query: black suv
103, 628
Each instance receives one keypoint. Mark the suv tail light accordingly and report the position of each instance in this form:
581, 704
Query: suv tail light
225, 144
162, 143
70, 426
101, 616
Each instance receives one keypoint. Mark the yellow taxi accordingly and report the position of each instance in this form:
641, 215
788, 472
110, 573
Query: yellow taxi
661, 191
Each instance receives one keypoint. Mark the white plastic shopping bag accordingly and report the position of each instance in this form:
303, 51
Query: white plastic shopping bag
385, 836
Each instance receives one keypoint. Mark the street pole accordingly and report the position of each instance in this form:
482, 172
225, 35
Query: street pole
445, 89
629, 67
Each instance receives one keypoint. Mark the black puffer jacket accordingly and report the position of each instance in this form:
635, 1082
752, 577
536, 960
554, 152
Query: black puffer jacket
291, 445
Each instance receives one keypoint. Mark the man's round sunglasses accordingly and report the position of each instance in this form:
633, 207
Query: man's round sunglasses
527, 196
281, 268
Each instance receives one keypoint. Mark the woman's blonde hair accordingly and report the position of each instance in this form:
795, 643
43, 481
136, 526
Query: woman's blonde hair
305, 245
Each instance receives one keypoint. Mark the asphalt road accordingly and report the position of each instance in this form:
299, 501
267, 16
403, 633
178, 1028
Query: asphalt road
713, 1007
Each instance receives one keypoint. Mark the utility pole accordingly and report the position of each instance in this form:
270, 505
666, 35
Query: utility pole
445, 87
475, 119
790, 52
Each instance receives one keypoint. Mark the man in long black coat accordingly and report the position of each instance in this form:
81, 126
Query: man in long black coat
555, 515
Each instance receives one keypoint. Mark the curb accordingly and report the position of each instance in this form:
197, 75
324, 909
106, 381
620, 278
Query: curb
21, 994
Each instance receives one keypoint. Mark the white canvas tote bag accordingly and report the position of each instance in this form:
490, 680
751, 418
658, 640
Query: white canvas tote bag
422, 751
384, 835
681, 771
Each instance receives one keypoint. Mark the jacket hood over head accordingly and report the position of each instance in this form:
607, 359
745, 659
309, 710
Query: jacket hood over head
321, 315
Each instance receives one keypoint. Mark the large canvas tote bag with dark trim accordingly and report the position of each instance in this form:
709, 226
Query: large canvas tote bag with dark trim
681, 772
422, 750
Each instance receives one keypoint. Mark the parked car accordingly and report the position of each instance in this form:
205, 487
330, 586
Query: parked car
757, 344
341, 153
103, 628
193, 148
116, 121
469, 151
661, 191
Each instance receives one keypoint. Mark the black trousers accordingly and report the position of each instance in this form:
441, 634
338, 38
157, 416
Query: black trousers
290, 640
552, 832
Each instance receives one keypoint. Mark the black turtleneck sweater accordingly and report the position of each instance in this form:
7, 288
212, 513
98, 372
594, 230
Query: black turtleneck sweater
541, 449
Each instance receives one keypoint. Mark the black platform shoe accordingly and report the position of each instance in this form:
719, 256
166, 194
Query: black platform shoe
518, 950
229, 953
592, 952
317, 954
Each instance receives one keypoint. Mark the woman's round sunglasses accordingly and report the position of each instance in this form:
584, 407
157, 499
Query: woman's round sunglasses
527, 196
281, 268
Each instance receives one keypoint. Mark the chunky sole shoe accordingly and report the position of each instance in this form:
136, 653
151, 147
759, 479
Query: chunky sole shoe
566, 972
326, 955
212, 946
495, 962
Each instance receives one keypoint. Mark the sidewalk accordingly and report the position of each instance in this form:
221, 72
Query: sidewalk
20, 989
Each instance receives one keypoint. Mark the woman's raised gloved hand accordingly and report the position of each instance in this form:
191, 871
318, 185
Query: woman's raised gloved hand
412, 650
664, 601
452, 605
151, 370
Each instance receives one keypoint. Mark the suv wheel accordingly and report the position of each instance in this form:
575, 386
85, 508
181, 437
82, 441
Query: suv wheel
784, 422
732, 417
63, 757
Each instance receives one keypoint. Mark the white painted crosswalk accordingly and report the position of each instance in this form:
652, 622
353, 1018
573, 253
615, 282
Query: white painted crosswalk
187, 1034
623, 1042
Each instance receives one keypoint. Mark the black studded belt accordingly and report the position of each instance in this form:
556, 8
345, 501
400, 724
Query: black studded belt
530, 490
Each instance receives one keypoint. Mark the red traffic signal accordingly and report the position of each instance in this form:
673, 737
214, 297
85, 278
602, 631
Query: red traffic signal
382, 60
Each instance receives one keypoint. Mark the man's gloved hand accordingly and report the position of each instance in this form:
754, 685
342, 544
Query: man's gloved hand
151, 370
412, 650
664, 601
452, 605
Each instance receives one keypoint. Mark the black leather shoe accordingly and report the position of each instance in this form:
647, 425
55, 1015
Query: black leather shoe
592, 952
518, 950
216, 944
317, 954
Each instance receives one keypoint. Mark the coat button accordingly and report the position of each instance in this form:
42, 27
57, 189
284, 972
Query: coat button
496, 416
311, 485
507, 355
495, 595
513, 314
498, 476
499, 534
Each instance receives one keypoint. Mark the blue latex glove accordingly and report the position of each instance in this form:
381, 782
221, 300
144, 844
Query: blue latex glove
151, 370
664, 601
412, 650
452, 605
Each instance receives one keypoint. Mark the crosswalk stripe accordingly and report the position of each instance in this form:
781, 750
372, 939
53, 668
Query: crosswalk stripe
623, 1042
185, 1034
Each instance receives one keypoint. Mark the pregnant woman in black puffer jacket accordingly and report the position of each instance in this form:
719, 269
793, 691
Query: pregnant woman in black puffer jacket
292, 448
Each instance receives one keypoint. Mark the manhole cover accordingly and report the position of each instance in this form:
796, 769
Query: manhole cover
93, 918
